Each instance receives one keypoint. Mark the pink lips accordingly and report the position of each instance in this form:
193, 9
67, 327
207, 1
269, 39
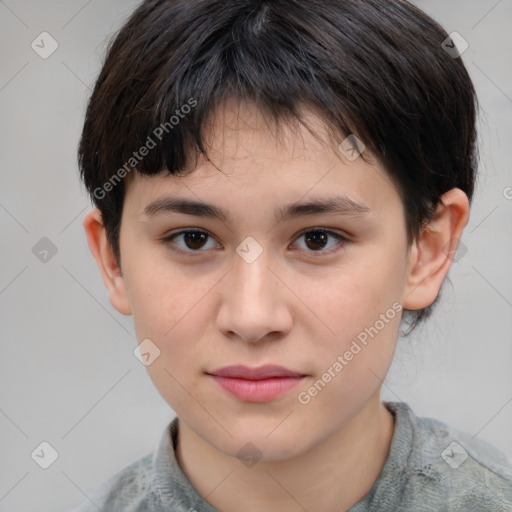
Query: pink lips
260, 384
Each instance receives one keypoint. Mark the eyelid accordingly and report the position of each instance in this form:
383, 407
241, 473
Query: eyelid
167, 239
342, 238
341, 234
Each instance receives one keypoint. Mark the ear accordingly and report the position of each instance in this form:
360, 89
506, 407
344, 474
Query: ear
431, 255
110, 270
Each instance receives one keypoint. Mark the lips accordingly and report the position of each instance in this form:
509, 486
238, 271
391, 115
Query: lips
259, 373
262, 384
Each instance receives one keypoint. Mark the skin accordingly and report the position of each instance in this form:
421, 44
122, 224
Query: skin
292, 306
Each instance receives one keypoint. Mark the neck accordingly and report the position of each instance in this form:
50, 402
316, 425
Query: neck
331, 476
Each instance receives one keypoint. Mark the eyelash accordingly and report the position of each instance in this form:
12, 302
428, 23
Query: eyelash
168, 239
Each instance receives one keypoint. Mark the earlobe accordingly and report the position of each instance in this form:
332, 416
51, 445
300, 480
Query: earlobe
432, 253
106, 261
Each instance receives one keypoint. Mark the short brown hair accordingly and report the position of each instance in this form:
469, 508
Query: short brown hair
372, 68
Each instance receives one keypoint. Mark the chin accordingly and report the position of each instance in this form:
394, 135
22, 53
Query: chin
253, 444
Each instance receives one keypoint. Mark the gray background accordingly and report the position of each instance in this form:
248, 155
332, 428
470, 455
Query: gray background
67, 372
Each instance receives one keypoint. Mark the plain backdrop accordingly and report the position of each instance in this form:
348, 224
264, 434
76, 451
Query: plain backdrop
67, 372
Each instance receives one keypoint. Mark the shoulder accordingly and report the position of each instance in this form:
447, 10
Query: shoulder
460, 471
153, 483
128, 489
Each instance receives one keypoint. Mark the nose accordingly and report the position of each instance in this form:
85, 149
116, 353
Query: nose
255, 304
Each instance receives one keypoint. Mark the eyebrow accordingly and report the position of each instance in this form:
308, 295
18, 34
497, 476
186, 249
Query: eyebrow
339, 205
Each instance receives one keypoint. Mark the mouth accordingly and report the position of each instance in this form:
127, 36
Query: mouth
261, 384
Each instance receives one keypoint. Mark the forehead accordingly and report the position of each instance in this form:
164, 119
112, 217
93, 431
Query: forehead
240, 130
249, 154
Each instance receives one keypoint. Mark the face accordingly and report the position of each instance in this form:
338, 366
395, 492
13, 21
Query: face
317, 292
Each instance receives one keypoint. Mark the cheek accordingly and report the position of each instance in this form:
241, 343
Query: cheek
352, 363
173, 310
359, 308
162, 295
351, 298
169, 311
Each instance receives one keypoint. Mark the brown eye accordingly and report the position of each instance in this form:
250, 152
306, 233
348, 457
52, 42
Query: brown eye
316, 240
193, 240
